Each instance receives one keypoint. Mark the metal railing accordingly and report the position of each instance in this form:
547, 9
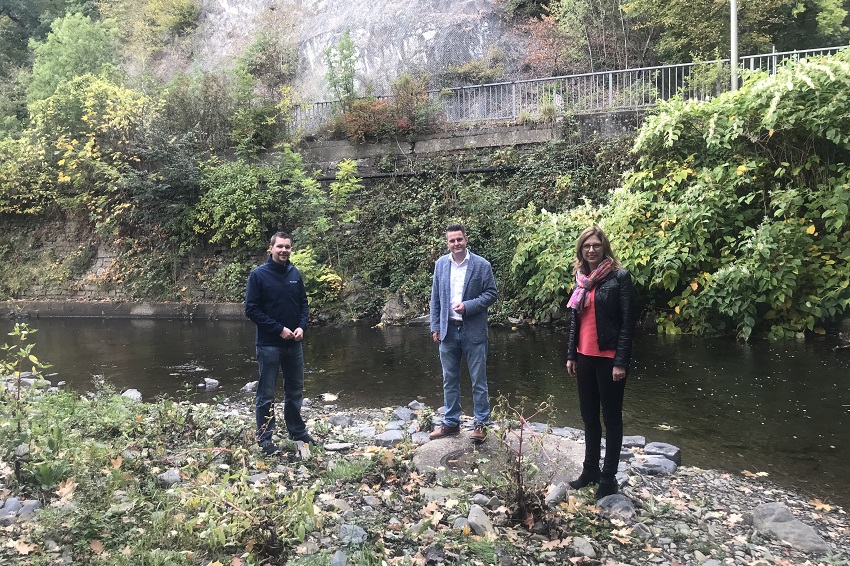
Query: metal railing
582, 93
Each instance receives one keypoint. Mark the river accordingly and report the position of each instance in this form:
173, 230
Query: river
782, 409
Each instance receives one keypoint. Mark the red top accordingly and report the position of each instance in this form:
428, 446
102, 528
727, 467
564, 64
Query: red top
588, 344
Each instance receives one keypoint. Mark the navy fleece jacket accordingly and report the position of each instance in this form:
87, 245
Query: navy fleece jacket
275, 298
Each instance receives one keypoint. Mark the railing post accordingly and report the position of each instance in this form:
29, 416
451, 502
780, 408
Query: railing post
610, 90
513, 101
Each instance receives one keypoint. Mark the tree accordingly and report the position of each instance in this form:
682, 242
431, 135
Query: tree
601, 34
695, 28
76, 45
341, 61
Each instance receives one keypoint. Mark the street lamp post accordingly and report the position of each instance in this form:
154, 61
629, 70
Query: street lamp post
733, 40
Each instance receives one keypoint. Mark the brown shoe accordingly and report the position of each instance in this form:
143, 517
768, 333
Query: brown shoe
443, 430
479, 434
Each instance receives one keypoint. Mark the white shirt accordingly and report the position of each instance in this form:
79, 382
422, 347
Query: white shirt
458, 274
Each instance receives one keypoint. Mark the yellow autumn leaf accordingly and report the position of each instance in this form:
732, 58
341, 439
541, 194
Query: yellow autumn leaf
694, 285
742, 169
810, 229
820, 505
677, 309
770, 133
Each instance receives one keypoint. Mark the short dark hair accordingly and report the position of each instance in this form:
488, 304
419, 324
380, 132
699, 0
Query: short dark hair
281, 235
456, 227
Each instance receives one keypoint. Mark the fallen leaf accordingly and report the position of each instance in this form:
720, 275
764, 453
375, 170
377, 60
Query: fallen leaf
96, 546
820, 505
66, 490
23, 548
236, 561
117, 461
649, 548
451, 503
750, 474
558, 543
216, 563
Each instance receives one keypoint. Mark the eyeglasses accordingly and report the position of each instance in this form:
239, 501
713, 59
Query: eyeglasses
588, 247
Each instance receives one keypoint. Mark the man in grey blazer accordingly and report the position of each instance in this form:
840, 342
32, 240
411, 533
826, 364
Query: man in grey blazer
462, 289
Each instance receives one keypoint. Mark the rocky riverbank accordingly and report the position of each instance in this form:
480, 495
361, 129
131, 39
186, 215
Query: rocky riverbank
373, 503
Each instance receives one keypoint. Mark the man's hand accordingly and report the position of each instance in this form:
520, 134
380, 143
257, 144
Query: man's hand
571, 367
459, 308
287, 334
436, 337
298, 334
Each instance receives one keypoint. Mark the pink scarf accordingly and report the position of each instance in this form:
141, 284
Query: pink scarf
585, 283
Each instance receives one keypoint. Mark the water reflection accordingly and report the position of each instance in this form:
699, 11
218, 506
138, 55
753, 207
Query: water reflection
782, 409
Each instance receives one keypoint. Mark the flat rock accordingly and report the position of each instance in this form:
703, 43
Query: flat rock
669, 451
777, 519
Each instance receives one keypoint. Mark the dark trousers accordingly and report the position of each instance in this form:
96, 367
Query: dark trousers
596, 387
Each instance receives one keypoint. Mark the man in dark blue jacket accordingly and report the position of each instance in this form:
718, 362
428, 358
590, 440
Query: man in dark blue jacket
276, 301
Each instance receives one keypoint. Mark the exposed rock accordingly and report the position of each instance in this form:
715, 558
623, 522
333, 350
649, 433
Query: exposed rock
352, 534
338, 446
582, 547
389, 438
617, 506
133, 395
663, 449
777, 519
170, 477
479, 522
405, 414
654, 465
250, 387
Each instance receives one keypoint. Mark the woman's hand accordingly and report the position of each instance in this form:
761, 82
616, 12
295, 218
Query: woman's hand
571, 367
619, 373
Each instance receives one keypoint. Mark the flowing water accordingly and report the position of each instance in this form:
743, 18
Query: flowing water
783, 409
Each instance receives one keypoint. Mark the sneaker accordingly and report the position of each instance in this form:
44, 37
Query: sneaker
307, 439
269, 448
479, 434
443, 431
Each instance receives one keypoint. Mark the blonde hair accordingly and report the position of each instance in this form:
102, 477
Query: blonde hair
579, 265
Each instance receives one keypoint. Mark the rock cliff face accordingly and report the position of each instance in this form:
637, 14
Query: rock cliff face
391, 36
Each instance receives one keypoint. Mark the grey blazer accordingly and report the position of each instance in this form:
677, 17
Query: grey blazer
479, 292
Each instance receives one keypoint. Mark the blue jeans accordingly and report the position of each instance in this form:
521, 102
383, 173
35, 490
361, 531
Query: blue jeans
453, 347
290, 360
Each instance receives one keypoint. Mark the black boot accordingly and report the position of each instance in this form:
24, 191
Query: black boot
589, 475
607, 486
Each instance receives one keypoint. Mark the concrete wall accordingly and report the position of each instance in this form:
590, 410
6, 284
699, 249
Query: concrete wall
374, 158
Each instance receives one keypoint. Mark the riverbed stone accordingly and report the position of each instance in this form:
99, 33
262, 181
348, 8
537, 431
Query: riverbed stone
416, 405
654, 466
339, 558
776, 519
404, 414
389, 438
582, 547
558, 458
669, 451
338, 446
209, 383
634, 441
250, 387
28, 509
133, 395
479, 522
170, 477
394, 425
364, 431
352, 534
343, 421
617, 506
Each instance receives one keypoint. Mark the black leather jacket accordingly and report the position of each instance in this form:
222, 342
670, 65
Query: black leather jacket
615, 320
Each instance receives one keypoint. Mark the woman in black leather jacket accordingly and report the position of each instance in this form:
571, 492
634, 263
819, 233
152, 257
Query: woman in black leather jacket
598, 353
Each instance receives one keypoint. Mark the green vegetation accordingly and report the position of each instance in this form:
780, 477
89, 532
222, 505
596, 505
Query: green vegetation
735, 218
